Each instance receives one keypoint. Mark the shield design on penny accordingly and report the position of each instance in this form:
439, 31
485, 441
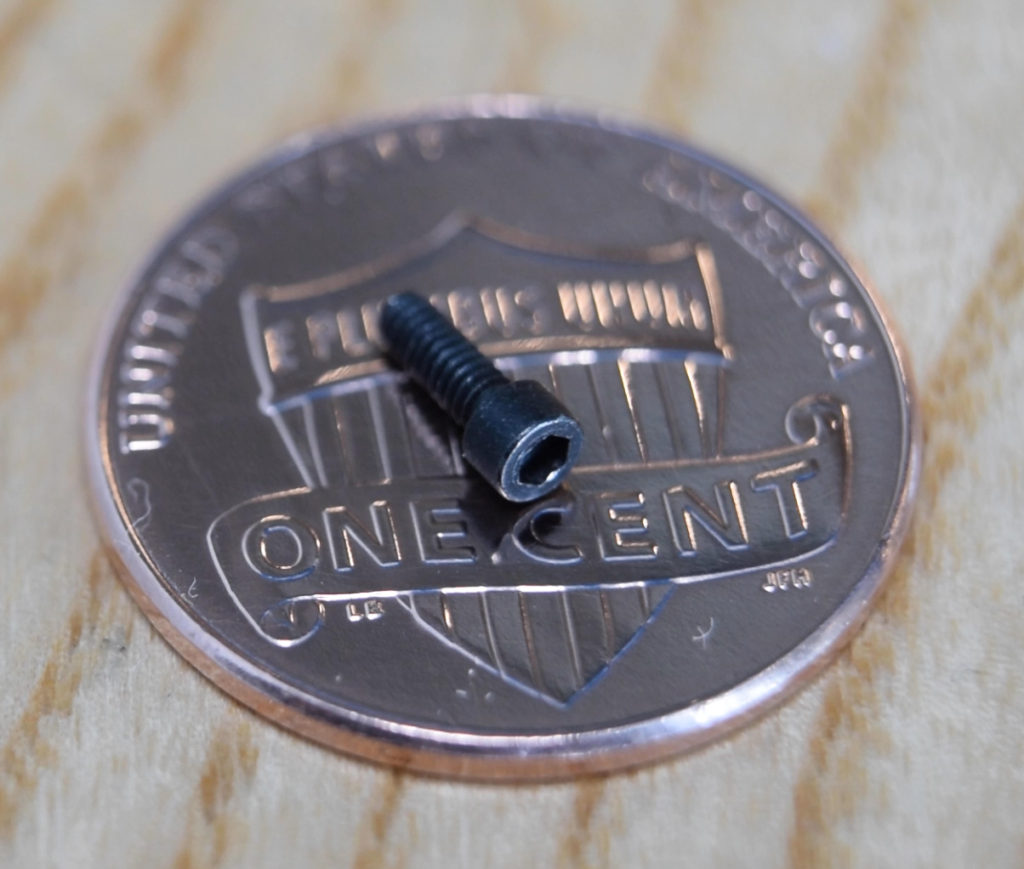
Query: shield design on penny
632, 340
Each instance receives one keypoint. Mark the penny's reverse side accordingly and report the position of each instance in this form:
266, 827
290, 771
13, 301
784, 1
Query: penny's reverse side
295, 516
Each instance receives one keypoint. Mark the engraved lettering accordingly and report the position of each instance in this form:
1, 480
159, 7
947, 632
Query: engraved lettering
317, 341
144, 422
787, 578
157, 335
210, 250
176, 280
662, 306
323, 331
338, 171
371, 332
798, 263
279, 339
840, 326
687, 511
143, 431
623, 529
158, 401
466, 310
530, 535
329, 174
388, 145
527, 311
809, 281
492, 312
161, 354
160, 316
281, 548
366, 610
785, 483
293, 184
354, 327
153, 376
442, 532
430, 139
346, 534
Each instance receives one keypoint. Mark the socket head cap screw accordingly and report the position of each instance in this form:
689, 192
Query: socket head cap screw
520, 438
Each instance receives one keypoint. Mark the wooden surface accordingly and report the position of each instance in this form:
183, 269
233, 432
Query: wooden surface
899, 124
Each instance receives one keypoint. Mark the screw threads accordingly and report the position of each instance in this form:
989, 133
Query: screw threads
454, 372
518, 436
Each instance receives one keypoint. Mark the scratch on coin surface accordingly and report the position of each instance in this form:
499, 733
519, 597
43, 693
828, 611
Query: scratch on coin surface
703, 635
193, 591
139, 491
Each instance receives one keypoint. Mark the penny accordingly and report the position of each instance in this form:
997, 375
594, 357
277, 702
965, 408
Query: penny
294, 514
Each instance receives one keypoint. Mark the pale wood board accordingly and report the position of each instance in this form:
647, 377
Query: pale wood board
899, 124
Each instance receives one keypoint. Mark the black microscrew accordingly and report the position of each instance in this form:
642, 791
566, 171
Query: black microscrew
517, 435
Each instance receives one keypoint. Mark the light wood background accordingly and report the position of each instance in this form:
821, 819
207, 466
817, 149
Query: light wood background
898, 123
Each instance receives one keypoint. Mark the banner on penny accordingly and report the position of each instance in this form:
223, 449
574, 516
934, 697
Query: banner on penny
661, 524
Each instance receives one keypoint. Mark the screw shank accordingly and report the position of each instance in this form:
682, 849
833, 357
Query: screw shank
437, 354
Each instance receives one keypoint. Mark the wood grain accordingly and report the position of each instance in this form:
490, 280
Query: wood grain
896, 122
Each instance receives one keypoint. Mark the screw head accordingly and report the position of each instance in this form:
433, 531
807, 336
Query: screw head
521, 439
